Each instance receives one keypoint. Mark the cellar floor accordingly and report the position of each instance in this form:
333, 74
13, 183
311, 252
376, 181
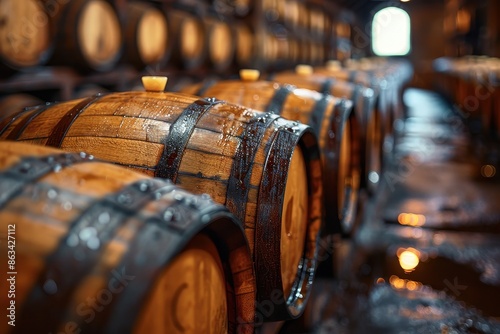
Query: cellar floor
426, 255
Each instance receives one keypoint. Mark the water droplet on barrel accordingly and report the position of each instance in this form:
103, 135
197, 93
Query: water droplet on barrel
50, 287
104, 218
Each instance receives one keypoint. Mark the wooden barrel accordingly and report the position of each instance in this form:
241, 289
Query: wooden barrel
327, 116
220, 43
101, 249
88, 91
146, 35
245, 46
88, 35
265, 169
24, 35
363, 101
189, 47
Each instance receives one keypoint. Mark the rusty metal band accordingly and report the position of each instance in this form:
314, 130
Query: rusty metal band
176, 141
275, 106
241, 169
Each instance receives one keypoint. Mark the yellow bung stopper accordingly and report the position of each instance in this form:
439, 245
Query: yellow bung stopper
154, 84
304, 69
333, 65
249, 75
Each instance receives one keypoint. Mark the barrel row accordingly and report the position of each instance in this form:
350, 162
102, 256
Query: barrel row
373, 92
92, 35
307, 18
473, 84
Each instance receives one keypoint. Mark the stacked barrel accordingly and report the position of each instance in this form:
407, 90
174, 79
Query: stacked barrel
473, 84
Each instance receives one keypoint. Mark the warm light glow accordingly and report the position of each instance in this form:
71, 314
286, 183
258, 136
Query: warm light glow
400, 283
488, 171
391, 32
409, 259
411, 219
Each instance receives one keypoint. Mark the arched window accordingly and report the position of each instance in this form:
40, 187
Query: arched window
391, 32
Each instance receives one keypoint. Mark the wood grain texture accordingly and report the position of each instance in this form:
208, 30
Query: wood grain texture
213, 254
88, 35
225, 150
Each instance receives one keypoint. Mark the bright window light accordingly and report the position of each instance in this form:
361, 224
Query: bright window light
391, 32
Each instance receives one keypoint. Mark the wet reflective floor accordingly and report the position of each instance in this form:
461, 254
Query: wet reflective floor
426, 255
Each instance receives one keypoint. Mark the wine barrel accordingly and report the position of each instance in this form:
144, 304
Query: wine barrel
245, 46
146, 36
363, 102
101, 249
329, 117
265, 169
220, 43
292, 15
189, 47
88, 35
24, 35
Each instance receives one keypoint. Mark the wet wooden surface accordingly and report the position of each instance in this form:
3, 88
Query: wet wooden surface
426, 257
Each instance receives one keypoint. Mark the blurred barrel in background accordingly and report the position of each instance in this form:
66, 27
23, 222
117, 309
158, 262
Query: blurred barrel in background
88, 35
147, 40
245, 44
189, 46
25, 35
220, 42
